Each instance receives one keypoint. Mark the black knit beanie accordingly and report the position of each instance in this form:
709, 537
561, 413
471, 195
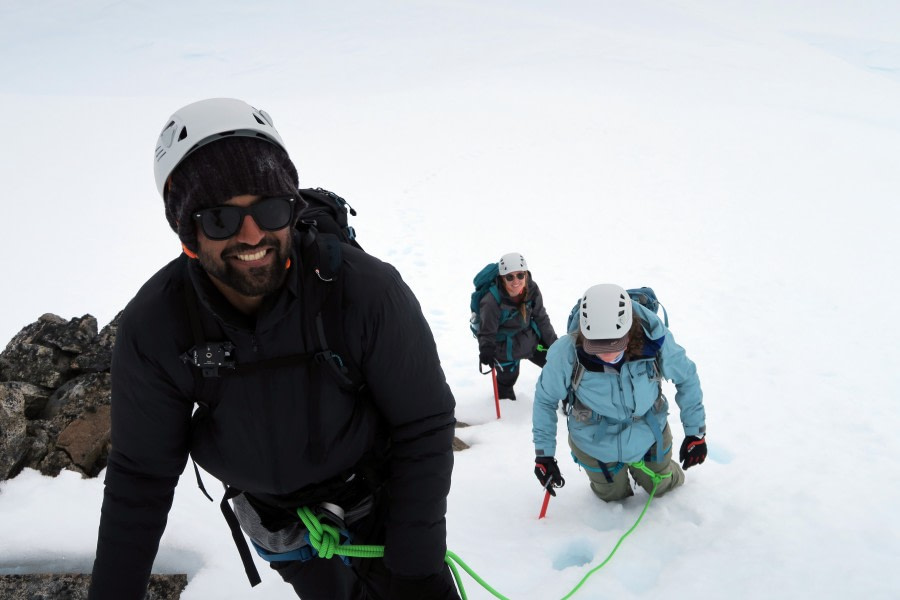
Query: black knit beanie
220, 170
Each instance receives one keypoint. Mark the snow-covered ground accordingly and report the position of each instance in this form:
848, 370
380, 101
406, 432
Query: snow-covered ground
741, 158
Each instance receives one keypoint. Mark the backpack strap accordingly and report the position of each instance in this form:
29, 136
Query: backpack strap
495, 292
505, 315
239, 540
650, 414
608, 472
574, 382
323, 253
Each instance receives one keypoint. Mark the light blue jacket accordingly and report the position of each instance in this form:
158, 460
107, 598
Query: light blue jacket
619, 415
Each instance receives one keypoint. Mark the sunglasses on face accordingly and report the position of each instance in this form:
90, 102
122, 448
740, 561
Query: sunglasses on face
222, 222
514, 276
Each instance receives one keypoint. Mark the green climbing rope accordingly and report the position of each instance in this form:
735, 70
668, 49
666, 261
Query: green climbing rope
656, 477
325, 539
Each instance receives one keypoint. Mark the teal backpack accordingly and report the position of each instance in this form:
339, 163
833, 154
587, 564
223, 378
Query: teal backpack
485, 281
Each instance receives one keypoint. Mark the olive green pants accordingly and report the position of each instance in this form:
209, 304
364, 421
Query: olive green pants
620, 488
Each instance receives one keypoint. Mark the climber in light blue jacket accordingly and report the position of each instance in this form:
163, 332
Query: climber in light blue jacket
607, 372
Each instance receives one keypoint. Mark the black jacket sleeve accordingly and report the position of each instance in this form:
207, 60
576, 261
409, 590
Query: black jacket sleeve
150, 423
404, 375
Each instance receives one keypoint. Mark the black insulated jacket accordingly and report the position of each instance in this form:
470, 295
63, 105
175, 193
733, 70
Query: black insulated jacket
259, 431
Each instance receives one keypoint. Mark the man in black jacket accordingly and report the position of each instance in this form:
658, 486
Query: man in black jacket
298, 377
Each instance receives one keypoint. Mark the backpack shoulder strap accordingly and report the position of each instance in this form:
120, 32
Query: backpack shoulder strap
207, 356
574, 382
495, 292
322, 254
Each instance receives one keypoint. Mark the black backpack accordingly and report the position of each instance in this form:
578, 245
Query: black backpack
327, 212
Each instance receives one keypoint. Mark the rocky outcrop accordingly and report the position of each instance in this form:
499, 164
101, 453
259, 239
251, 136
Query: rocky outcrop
54, 397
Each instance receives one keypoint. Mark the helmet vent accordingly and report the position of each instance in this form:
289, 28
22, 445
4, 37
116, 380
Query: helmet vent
258, 120
183, 134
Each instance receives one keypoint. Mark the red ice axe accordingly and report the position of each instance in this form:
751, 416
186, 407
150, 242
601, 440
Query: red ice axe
493, 372
546, 499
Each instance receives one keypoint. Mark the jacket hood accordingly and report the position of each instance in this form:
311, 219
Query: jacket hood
653, 325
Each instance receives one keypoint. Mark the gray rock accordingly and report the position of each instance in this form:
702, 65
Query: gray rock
55, 396
34, 396
98, 356
69, 586
77, 395
14, 443
36, 364
42, 353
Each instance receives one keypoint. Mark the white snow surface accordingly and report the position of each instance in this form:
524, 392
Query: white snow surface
739, 157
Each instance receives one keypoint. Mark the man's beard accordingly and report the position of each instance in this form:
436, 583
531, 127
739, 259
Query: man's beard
258, 281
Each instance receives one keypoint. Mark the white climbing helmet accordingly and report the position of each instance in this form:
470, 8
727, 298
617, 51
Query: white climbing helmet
605, 312
509, 263
203, 122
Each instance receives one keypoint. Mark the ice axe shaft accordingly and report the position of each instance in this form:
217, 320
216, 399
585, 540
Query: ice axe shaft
496, 391
545, 505
546, 500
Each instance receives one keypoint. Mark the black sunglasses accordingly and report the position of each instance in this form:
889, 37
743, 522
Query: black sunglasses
512, 276
222, 222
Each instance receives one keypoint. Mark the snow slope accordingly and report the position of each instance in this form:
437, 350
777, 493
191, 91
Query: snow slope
741, 158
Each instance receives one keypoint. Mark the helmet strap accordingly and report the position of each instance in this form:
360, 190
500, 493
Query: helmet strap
190, 253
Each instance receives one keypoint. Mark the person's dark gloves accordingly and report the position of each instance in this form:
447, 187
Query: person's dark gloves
486, 357
693, 451
439, 586
546, 470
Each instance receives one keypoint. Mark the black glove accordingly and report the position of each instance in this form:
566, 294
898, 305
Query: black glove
439, 586
486, 357
545, 469
693, 451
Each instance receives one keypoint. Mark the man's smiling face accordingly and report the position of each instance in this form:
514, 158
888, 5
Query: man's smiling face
250, 264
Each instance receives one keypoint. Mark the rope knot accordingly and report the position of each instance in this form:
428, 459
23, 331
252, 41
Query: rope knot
655, 477
324, 538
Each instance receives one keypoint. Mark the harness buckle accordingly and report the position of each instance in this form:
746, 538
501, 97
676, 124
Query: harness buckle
333, 513
209, 357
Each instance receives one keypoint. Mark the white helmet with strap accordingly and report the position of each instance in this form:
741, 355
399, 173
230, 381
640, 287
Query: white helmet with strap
509, 263
203, 122
605, 312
